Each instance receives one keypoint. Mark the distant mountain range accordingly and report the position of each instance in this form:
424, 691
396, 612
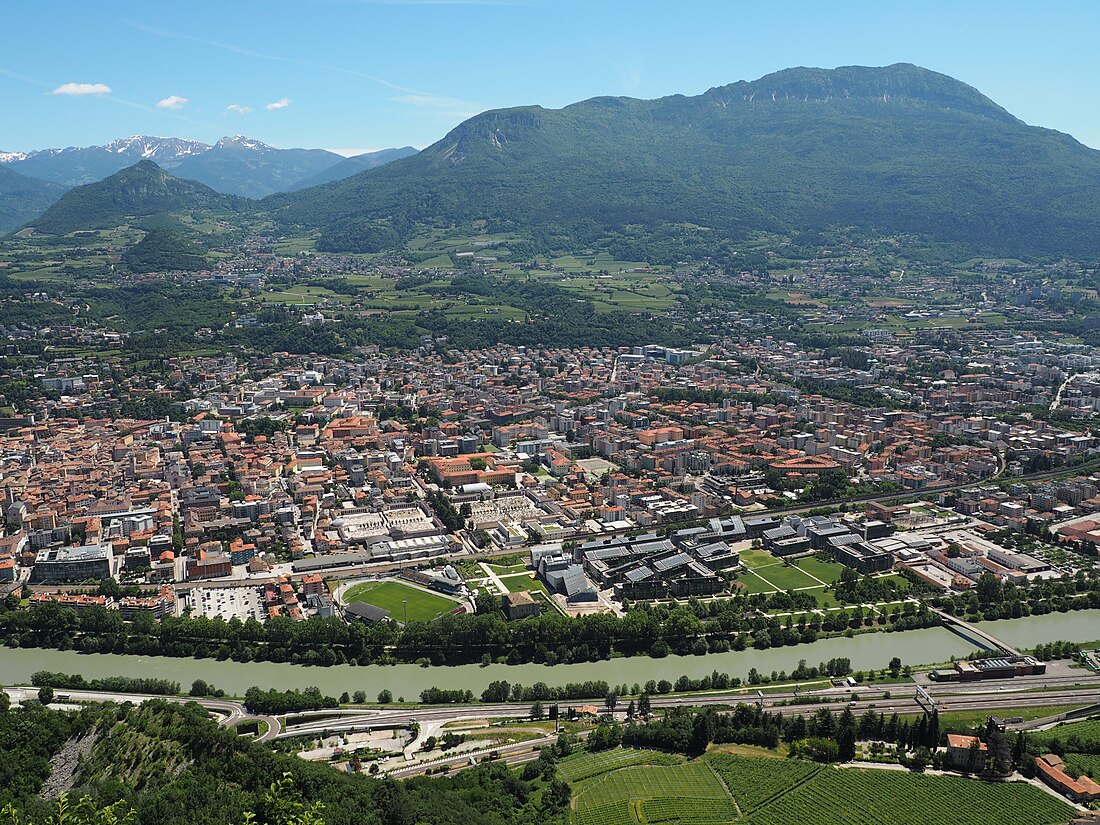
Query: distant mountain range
234, 165
76, 166
243, 166
890, 150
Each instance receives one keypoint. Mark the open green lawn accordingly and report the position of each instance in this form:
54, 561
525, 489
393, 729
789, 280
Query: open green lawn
825, 598
523, 582
827, 571
390, 595
751, 558
754, 584
786, 578
508, 569
959, 719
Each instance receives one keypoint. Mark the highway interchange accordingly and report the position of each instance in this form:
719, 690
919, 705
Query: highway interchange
1060, 687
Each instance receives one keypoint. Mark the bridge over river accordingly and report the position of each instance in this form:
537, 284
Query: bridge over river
974, 633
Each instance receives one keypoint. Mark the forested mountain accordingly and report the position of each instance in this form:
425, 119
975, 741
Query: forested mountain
355, 164
171, 765
894, 149
21, 198
140, 190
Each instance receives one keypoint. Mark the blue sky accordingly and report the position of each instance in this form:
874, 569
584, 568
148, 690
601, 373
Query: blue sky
354, 75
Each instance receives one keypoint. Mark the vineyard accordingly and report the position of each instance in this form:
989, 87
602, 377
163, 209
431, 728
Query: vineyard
688, 794
1083, 763
880, 797
1087, 731
755, 782
674, 810
586, 765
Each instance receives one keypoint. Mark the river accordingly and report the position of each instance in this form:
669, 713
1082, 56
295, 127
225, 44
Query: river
868, 650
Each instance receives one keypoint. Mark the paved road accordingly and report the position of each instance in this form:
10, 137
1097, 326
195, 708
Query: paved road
1036, 692
1058, 688
227, 712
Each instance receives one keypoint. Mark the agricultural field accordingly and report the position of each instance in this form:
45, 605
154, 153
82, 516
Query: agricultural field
1086, 731
688, 793
881, 797
586, 765
390, 595
625, 787
754, 782
1083, 763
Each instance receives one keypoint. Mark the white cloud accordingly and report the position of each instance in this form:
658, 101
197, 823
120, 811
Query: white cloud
238, 108
445, 106
172, 102
82, 89
281, 103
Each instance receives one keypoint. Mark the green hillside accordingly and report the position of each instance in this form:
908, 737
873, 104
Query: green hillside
22, 198
894, 149
141, 190
163, 250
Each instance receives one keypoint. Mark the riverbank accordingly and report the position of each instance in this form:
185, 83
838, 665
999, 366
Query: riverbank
865, 651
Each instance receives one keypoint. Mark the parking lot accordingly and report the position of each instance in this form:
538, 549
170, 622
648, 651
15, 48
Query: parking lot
226, 602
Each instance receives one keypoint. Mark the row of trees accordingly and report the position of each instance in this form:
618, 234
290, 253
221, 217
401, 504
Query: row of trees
654, 630
108, 684
286, 701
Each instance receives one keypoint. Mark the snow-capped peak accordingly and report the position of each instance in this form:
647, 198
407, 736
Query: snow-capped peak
242, 142
156, 148
9, 157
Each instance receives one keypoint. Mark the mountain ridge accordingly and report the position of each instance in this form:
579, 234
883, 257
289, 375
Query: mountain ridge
891, 149
355, 164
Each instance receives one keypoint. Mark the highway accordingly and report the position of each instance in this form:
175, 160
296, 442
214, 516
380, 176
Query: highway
1057, 689
1027, 692
227, 712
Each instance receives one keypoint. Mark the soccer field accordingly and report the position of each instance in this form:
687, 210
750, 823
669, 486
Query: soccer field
390, 595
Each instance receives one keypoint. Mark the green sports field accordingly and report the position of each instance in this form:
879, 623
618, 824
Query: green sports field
390, 595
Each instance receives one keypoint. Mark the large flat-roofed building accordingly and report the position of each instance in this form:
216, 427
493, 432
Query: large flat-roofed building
863, 556
998, 667
73, 564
